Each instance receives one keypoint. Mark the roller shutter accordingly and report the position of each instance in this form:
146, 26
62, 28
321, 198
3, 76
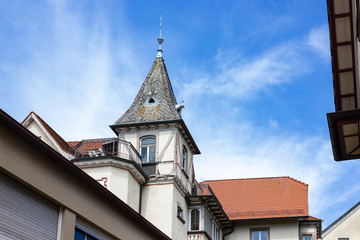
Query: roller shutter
25, 214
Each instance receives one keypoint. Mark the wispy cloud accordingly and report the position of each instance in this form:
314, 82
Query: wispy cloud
243, 151
318, 40
71, 76
245, 78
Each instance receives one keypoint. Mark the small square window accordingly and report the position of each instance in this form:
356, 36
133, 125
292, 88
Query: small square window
307, 237
180, 214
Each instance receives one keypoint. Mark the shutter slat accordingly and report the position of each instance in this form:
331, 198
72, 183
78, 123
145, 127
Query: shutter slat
25, 214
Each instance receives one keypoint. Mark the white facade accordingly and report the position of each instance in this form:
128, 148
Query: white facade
347, 226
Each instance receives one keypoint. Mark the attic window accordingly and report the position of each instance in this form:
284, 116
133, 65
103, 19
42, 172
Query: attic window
151, 100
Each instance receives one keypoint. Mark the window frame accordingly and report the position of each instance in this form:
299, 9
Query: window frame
191, 220
180, 214
267, 229
86, 235
185, 157
215, 232
147, 146
307, 235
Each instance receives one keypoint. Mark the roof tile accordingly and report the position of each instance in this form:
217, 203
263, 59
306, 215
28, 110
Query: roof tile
158, 87
261, 197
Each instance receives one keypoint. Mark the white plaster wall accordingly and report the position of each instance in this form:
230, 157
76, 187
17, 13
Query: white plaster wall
130, 137
278, 231
165, 167
157, 206
349, 227
133, 192
179, 228
308, 229
160, 204
120, 182
37, 131
166, 144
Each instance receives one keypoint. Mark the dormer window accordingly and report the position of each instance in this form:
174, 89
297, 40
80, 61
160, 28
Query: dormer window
147, 147
151, 100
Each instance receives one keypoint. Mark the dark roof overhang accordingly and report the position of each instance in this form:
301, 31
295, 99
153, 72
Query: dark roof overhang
214, 207
81, 175
181, 126
344, 33
345, 134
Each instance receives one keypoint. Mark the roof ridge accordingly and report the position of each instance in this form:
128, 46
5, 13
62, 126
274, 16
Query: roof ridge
233, 179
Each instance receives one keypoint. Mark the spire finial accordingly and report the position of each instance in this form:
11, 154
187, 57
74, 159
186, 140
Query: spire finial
160, 40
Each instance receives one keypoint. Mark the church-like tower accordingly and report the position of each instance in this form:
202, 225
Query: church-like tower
154, 126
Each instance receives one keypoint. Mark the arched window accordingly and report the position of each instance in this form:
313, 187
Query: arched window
184, 158
147, 147
195, 219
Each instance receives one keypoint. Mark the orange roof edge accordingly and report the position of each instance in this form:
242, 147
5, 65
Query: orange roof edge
265, 197
231, 179
59, 140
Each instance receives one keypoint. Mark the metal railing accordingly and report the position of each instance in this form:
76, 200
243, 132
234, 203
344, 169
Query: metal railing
106, 147
127, 151
206, 189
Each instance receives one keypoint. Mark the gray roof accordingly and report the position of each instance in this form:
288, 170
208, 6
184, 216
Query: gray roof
155, 101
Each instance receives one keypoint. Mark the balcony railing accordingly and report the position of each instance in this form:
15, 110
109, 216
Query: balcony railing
106, 147
127, 151
206, 189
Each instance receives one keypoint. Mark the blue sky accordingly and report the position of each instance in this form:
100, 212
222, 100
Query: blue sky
255, 78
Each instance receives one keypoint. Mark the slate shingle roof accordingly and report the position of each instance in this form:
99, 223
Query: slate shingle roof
158, 87
256, 198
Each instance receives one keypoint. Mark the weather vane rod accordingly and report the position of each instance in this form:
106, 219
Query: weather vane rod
160, 40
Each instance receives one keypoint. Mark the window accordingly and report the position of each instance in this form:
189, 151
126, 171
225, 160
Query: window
307, 237
260, 234
195, 219
147, 146
343, 238
81, 235
184, 158
180, 214
216, 233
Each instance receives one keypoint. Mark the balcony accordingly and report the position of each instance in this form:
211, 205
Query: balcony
102, 147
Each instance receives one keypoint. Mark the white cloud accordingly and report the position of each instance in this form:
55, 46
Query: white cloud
318, 40
246, 78
242, 151
71, 74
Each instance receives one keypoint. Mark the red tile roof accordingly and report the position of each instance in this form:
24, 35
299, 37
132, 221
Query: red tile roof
254, 198
59, 140
83, 147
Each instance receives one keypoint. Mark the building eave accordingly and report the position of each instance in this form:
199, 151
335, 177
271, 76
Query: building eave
98, 161
335, 121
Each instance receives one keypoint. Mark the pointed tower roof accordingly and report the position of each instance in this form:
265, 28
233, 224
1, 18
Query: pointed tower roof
155, 101
155, 104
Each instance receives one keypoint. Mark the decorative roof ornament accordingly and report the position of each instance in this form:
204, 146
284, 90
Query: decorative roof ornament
160, 40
